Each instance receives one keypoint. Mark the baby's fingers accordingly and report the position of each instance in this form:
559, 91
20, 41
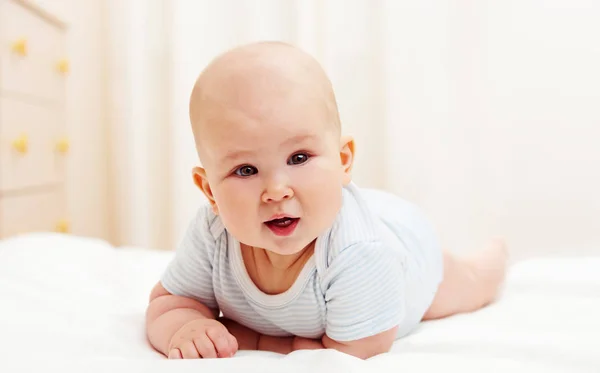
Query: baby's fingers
205, 347
188, 350
221, 342
222, 346
233, 343
175, 354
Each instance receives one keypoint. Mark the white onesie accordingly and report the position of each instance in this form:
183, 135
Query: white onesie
379, 265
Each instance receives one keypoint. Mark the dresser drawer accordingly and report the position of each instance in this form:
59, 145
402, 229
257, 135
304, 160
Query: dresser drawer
40, 212
32, 51
31, 139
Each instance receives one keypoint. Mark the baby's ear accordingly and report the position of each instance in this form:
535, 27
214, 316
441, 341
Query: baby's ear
347, 158
201, 181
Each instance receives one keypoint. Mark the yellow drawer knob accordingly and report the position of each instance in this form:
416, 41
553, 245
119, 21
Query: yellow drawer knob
62, 146
62, 226
21, 144
63, 66
20, 47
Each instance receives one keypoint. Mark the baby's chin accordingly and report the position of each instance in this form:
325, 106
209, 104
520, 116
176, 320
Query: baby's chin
289, 248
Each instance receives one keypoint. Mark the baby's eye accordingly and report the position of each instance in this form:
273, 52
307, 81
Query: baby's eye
245, 171
298, 158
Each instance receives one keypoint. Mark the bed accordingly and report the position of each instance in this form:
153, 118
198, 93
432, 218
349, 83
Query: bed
77, 304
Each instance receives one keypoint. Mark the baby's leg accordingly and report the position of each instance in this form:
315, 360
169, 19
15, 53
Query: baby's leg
469, 283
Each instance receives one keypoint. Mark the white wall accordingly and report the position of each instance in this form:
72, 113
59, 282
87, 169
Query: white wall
87, 181
140, 127
538, 173
494, 120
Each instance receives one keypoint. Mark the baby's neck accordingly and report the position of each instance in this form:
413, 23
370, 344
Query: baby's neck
273, 273
286, 262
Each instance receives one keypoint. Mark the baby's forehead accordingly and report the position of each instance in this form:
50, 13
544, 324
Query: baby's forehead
273, 119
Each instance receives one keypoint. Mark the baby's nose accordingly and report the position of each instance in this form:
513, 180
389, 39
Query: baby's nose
276, 192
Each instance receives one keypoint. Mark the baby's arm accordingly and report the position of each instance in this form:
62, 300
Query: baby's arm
361, 348
167, 313
181, 327
256, 341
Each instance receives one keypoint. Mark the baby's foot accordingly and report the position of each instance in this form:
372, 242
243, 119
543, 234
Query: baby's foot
489, 269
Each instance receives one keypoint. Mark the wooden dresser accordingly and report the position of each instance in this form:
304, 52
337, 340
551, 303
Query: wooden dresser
34, 145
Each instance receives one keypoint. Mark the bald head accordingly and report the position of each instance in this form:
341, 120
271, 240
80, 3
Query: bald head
254, 80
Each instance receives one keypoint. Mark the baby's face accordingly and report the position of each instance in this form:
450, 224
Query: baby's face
273, 167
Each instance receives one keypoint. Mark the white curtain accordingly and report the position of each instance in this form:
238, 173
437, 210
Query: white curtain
484, 113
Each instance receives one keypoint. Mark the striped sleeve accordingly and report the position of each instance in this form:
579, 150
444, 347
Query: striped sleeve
365, 294
189, 273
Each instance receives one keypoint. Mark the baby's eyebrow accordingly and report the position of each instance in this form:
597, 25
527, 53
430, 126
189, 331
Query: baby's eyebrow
236, 154
298, 139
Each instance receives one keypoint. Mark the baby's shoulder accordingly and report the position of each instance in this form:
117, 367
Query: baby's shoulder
356, 229
350, 254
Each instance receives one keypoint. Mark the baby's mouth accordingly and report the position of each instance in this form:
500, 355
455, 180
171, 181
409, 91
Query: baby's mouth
282, 222
283, 226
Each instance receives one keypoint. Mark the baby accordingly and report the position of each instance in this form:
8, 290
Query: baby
288, 253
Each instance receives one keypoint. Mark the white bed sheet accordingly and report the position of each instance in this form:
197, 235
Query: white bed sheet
77, 304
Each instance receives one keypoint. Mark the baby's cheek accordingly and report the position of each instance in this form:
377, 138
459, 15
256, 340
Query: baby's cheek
231, 200
325, 195
236, 218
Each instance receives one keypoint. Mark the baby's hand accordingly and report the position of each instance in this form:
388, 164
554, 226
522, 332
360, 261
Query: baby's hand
203, 338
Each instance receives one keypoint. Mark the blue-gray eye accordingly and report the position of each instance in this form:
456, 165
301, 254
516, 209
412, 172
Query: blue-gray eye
245, 171
298, 158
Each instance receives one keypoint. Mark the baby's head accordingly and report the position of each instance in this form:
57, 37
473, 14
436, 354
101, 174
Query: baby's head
267, 131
